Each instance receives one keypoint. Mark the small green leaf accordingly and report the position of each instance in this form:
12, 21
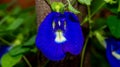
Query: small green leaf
3, 6
114, 25
96, 6
100, 38
81, 1
119, 6
86, 2
4, 19
112, 7
30, 42
110, 1
9, 61
114, 10
100, 23
2, 13
34, 50
15, 24
10, 20
72, 9
18, 50
16, 10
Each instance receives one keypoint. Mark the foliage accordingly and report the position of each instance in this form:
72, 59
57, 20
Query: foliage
18, 30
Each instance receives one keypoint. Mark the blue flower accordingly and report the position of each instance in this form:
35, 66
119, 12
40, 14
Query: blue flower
58, 34
3, 50
113, 52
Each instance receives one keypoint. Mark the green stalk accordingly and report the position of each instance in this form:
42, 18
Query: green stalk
46, 63
4, 41
89, 19
26, 60
86, 18
101, 5
119, 6
83, 51
89, 35
68, 2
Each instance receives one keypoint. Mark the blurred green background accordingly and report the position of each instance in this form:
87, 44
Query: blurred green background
18, 29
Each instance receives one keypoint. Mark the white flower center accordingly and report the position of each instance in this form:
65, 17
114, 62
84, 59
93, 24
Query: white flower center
59, 37
59, 23
116, 55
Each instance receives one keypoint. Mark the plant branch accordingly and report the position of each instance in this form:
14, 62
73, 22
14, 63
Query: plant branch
26, 60
92, 14
89, 35
4, 41
83, 51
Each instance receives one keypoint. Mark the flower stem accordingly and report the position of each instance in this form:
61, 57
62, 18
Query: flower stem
46, 63
83, 51
89, 35
4, 41
89, 18
26, 60
119, 6
68, 1
93, 13
100, 6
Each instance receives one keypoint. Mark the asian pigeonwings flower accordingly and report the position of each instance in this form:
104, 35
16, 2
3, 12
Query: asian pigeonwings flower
59, 33
113, 52
3, 49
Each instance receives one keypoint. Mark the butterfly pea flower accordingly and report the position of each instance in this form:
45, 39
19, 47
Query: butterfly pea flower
58, 34
113, 52
3, 50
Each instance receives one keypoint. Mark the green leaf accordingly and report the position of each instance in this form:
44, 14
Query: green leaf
15, 24
96, 6
112, 7
98, 24
30, 42
100, 38
34, 50
98, 57
9, 61
72, 9
114, 10
81, 1
4, 19
110, 1
18, 50
114, 25
16, 10
3, 6
10, 19
86, 2
119, 6
2, 13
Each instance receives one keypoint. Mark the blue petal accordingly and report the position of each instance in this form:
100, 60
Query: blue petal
73, 34
3, 50
112, 60
45, 39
